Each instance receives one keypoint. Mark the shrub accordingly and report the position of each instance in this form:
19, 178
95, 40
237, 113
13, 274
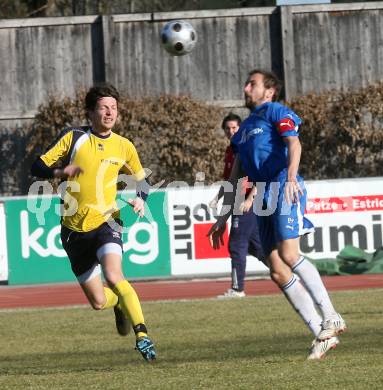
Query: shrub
176, 137
342, 133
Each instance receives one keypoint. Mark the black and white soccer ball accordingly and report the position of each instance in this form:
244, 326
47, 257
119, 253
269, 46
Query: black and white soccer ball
178, 37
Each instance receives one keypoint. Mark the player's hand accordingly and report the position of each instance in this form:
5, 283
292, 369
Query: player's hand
215, 234
138, 206
245, 206
71, 170
292, 192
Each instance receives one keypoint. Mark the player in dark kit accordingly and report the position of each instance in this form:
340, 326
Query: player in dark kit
91, 159
244, 235
269, 151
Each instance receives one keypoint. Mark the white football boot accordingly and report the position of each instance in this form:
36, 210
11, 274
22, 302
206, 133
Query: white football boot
333, 326
319, 348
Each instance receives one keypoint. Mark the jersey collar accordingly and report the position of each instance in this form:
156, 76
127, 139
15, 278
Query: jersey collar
100, 136
260, 107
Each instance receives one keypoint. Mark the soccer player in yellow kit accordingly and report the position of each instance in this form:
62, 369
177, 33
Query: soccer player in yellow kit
91, 160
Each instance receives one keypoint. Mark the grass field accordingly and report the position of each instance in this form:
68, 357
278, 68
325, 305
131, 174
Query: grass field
253, 343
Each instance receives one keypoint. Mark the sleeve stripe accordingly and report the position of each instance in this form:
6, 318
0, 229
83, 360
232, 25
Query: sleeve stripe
59, 138
77, 144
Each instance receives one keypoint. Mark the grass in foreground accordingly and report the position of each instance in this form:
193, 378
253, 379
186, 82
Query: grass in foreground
252, 343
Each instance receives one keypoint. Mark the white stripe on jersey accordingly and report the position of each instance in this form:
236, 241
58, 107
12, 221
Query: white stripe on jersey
78, 144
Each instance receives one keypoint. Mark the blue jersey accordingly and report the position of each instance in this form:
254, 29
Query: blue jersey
259, 140
263, 154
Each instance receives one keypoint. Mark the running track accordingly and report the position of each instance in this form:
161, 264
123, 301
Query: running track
53, 295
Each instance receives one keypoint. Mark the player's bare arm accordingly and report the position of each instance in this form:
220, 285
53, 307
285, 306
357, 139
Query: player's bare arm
138, 206
292, 188
216, 232
248, 202
142, 190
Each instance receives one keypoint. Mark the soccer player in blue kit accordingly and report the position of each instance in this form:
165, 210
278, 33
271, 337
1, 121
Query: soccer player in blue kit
269, 151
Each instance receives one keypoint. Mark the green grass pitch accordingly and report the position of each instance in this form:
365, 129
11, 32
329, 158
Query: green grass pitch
251, 343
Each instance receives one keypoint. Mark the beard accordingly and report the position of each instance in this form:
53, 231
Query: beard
248, 102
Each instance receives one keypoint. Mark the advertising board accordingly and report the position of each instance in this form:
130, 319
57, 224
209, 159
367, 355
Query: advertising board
3, 246
37, 256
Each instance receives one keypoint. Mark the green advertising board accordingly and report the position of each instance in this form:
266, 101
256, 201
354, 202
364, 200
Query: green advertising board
35, 253
147, 240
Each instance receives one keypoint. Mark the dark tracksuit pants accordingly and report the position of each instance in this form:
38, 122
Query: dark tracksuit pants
244, 239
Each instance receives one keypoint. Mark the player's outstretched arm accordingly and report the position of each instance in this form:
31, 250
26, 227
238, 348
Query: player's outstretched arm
216, 232
248, 202
138, 206
292, 187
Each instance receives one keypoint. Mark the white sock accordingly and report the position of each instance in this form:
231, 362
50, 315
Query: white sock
303, 304
311, 279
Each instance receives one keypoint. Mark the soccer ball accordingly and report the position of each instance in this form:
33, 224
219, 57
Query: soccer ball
178, 37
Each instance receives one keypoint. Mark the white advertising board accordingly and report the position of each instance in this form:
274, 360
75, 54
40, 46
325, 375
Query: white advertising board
3, 246
344, 212
190, 218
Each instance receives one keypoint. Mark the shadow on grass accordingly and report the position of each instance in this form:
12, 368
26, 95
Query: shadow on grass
271, 349
63, 362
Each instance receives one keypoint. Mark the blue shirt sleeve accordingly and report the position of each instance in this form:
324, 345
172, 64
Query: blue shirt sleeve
280, 112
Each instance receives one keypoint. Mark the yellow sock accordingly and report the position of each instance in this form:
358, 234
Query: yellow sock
130, 304
111, 298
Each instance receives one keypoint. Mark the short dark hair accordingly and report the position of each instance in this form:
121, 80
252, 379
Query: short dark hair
231, 117
99, 91
270, 80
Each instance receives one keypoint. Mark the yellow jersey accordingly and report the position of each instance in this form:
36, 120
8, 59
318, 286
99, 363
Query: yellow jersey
89, 199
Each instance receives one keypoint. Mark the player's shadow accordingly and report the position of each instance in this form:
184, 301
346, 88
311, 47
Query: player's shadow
69, 362
215, 350
237, 348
